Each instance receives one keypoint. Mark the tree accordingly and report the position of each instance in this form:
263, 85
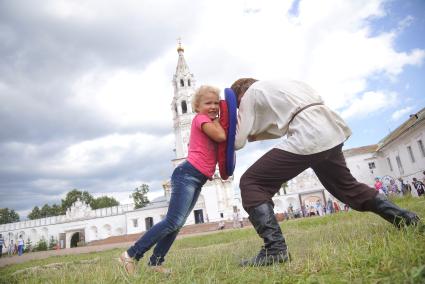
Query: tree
8, 216
140, 196
56, 210
28, 246
52, 243
34, 214
45, 211
104, 202
75, 194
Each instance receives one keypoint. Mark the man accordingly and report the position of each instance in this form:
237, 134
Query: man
403, 186
1, 244
315, 136
419, 186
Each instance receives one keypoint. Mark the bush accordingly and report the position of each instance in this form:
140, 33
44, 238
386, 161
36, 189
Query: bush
41, 245
52, 243
28, 246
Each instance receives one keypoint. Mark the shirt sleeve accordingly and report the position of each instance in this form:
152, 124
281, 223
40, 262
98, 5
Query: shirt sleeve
246, 117
201, 119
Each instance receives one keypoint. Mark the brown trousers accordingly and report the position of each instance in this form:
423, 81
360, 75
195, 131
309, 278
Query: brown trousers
264, 178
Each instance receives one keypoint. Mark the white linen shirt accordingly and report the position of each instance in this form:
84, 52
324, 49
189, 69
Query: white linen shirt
267, 107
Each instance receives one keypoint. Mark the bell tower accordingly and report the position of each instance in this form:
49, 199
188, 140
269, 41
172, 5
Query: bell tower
216, 199
181, 105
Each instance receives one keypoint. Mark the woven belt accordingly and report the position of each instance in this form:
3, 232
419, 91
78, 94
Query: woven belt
301, 109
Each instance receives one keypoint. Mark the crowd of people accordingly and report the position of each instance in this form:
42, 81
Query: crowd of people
401, 187
13, 247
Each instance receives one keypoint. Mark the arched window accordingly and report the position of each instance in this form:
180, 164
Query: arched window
188, 82
181, 82
184, 107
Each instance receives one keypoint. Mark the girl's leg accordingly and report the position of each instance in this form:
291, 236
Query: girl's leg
185, 182
164, 245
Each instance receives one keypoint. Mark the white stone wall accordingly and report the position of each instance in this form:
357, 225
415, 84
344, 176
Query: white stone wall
140, 215
398, 148
359, 167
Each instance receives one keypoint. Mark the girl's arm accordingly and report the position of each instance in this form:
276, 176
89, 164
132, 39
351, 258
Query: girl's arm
214, 131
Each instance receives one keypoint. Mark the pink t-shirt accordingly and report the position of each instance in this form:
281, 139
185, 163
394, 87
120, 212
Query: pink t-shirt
202, 150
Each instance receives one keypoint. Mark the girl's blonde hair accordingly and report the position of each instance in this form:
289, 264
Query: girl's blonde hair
202, 90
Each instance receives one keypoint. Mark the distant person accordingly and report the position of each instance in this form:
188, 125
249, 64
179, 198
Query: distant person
346, 207
403, 187
290, 211
221, 225
235, 219
336, 206
329, 206
315, 136
20, 245
393, 188
1, 245
378, 185
186, 182
319, 208
11, 248
303, 210
419, 186
240, 217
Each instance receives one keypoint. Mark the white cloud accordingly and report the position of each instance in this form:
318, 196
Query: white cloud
328, 43
128, 98
95, 155
401, 112
369, 103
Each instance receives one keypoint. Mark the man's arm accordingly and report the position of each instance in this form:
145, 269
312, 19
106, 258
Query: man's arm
246, 117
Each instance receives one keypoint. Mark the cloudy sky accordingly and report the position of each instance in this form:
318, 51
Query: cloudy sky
85, 86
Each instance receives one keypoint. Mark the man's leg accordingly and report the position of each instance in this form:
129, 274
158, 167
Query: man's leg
258, 185
335, 176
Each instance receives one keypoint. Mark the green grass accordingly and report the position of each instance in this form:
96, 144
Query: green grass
342, 248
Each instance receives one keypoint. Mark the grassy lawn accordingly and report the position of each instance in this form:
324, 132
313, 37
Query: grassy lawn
348, 247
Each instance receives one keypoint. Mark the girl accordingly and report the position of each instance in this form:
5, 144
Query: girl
186, 181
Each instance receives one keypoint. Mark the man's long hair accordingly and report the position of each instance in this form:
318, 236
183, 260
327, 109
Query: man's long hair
241, 85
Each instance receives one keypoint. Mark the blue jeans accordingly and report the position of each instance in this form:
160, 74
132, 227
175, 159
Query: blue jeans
186, 185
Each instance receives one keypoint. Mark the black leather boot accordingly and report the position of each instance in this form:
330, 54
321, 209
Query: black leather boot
274, 250
391, 212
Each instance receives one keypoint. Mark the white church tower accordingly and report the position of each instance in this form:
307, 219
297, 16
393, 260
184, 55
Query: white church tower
217, 197
184, 88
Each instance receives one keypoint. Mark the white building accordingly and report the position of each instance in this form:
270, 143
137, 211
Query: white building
401, 154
